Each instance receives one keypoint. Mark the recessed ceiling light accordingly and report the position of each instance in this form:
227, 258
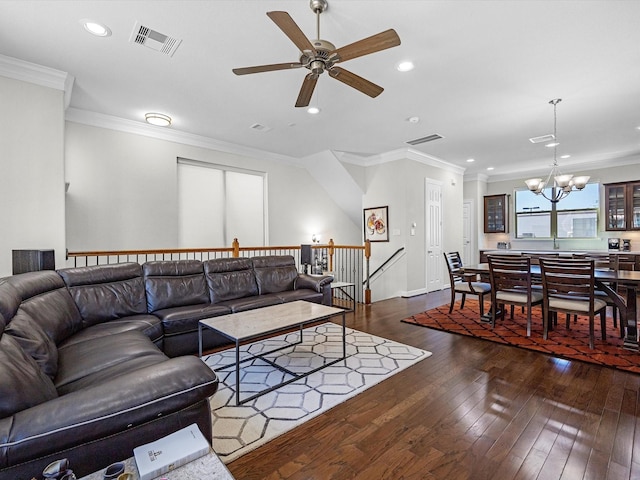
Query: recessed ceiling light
552, 144
413, 119
405, 66
95, 28
565, 156
489, 168
313, 110
158, 119
469, 160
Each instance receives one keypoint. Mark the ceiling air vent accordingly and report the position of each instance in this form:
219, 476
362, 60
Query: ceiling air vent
259, 127
428, 138
143, 35
543, 139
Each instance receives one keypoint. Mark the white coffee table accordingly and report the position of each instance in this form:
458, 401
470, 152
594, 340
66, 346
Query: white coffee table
245, 327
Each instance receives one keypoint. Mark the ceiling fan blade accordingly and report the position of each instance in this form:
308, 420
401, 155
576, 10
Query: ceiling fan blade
355, 81
308, 85
291, 30
266, 68
381, 41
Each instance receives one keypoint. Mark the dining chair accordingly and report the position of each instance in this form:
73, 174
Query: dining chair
464, 283
568, 286
605, 261
510, 278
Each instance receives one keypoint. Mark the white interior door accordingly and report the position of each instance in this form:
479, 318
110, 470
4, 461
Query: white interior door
433, 235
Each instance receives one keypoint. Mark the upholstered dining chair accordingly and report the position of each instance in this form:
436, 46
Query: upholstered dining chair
511, 285
465, 284
569, 287
605, 261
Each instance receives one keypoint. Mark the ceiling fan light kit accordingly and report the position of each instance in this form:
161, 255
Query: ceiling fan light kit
322, 56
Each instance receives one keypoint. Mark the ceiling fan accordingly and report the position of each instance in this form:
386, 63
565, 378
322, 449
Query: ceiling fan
320, 55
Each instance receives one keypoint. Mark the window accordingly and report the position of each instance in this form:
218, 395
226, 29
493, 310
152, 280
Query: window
575, 216
218, 203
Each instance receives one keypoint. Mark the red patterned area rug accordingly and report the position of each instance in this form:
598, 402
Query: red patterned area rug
572, 344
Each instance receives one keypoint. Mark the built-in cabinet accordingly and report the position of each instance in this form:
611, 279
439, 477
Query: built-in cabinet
622, 206
496, 214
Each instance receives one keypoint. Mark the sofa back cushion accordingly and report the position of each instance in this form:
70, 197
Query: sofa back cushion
174, 283
22, 383
45, 298
106, 292
275, 273
34, 341
230, 278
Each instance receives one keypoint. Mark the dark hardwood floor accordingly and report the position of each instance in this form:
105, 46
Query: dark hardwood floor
473, 410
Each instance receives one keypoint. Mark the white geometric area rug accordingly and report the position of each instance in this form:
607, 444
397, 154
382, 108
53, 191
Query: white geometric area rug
239, 429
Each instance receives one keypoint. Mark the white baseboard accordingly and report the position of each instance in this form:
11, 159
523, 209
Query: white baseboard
413, 293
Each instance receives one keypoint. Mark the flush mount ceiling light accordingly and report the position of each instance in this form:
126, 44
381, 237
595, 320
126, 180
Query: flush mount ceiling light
562, 185
158, 119
471, 160
405, 66
95, 28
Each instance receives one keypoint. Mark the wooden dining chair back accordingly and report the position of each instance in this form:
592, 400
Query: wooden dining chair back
465, 284
510, 277
569, 287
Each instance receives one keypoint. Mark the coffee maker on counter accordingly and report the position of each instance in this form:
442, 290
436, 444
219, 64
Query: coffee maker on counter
626, 245
614, 244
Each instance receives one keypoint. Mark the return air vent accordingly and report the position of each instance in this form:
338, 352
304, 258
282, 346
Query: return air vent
143, 35
428, 138
543, 138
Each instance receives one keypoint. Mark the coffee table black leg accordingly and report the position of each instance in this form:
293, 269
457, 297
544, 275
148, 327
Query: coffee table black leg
344, 337
237, 372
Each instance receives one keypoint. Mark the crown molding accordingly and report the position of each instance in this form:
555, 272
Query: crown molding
38, 75
402, 154
169, 134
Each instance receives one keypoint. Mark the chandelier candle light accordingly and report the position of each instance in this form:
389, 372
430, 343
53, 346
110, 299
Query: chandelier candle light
562, 184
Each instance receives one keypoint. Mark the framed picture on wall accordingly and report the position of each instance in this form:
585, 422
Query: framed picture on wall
376, 224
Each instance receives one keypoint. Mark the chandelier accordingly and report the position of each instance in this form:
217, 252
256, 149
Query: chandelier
562, 185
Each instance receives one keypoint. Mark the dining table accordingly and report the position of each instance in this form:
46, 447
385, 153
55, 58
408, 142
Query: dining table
604, 278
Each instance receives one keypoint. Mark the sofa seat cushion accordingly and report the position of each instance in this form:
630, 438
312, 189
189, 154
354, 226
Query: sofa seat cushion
105, 410
150, 325
22, 383
90, 362
185, 319
249, 303
302, 294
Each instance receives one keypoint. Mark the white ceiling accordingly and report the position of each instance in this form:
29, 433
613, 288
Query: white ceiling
485, 72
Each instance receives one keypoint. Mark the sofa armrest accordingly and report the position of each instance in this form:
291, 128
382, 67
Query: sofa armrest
314, 282
116, 405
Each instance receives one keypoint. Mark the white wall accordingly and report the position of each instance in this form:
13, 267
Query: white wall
123, 193
400, 184
31, 170
624, 173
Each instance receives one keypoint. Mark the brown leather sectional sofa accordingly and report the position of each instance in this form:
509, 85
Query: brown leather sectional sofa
97, 360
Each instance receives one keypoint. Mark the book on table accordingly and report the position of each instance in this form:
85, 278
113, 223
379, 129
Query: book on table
168, 453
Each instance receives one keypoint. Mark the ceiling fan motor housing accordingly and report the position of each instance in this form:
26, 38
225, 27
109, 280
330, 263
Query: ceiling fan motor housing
320, 62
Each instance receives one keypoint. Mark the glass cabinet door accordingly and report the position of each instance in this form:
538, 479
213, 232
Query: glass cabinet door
615, 198
495, 214
634, 206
